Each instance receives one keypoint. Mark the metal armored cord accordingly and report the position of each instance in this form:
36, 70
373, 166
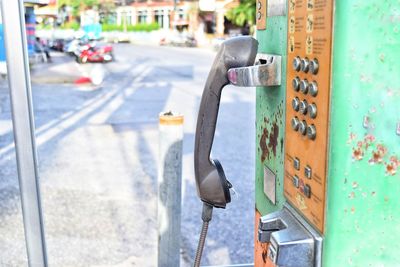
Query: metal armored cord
206, 217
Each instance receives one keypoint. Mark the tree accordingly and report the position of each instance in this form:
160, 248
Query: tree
78, 5
244, 14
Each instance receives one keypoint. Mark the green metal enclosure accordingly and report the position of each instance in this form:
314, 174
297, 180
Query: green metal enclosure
361, 220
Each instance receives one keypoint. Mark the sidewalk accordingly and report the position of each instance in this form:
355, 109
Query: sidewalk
61, 69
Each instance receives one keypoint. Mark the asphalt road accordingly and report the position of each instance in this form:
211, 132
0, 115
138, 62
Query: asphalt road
98, 150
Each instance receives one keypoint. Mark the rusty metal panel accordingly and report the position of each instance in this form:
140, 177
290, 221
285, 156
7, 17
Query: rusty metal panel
270, 114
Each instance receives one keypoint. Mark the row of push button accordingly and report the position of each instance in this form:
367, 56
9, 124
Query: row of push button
304, 107
306, 189
305, 65
305, 86
307, 169
303, 128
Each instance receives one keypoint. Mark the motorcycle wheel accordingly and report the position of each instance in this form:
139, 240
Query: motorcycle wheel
108, 57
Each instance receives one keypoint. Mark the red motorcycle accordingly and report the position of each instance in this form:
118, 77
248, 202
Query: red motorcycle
92, 53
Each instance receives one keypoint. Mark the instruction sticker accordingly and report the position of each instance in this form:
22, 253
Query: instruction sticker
292, 22
301, 202
291, 44
292, 6
310, 23
309, 45
310, 5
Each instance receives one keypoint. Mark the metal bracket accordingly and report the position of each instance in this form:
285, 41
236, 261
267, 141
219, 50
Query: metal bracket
265, 72
293, 242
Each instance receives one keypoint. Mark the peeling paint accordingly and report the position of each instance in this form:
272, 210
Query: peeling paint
265, 254
358, 154
263, 145
353, 209
377, 153
392, 166
273, 138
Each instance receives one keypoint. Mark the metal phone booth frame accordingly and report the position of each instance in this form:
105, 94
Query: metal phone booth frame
24, 130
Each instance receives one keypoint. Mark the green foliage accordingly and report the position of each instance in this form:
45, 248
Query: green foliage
244, 13
43, 26
78, 5
131, 28
90, 3
71, 25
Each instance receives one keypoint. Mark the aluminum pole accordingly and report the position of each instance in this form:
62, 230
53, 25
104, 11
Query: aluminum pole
24, 132
169, 189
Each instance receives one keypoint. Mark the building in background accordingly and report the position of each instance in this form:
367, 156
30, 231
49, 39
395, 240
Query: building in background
205, 16
30, 21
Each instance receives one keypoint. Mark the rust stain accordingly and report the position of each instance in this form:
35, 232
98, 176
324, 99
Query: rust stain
265, 254
263, 145
392, 166
358, 153
377, 151
273, 138
352, 137
378, 154
368, 140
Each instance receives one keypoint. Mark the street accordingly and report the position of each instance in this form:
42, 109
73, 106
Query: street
98, 151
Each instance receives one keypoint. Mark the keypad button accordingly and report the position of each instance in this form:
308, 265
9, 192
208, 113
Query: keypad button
296, 84
314, 66
295, 123
296, 103
303, 107
308, 172
296, 181
311, 132
296, 163
305, 64
307, 191
304, 86
296, 63
312, 110
313, 88
303, 127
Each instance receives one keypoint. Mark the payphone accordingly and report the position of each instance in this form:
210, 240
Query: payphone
328, 133
328, 143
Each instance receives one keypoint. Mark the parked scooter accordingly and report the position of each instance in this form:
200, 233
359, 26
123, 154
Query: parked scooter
93, 53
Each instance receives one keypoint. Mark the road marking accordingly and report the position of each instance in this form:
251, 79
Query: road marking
67, 120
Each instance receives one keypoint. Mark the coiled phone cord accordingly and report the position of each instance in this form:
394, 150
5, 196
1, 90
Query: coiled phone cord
206, 217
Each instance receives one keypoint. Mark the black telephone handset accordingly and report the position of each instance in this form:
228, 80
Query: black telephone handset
212, 185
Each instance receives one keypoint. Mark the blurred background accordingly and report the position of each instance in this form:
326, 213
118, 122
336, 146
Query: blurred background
102, 71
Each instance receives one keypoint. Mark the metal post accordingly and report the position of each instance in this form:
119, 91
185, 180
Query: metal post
169, 189
24, 133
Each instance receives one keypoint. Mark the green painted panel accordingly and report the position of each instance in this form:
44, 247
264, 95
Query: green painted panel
270, 117
363, 211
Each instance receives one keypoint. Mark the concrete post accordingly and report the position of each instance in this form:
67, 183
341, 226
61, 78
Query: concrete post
169, 189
